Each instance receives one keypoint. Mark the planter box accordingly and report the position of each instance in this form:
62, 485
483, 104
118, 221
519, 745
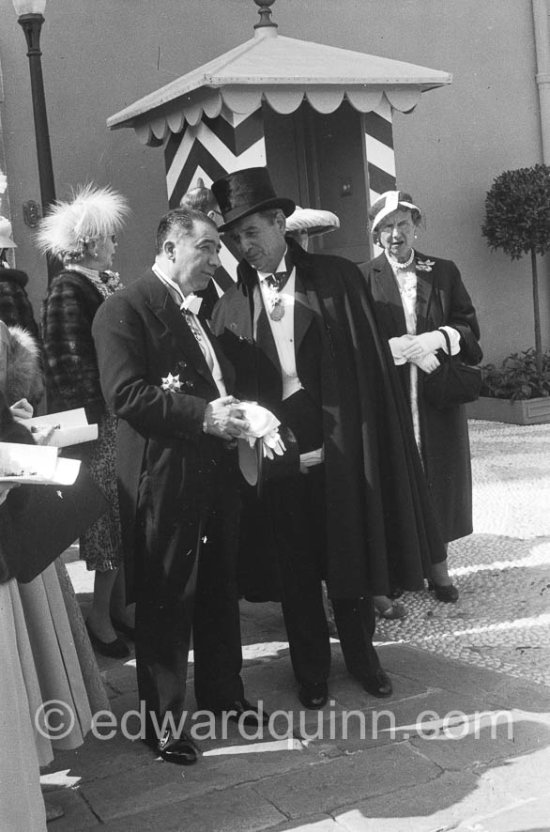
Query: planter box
524, 412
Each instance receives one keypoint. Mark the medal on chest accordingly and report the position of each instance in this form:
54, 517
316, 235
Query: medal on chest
277, 311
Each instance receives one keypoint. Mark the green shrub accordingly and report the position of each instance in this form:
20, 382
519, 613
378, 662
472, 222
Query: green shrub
518, 377
517, 220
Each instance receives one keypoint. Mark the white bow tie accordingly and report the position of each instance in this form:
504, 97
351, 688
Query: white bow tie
191, 303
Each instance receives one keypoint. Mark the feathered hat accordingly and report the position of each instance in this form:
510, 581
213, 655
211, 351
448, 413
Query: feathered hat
312, 220
92, 213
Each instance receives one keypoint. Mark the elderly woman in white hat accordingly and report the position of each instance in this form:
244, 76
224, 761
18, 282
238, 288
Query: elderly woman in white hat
421, 302
83, 233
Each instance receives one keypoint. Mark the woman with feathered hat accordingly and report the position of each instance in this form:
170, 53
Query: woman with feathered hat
82, 232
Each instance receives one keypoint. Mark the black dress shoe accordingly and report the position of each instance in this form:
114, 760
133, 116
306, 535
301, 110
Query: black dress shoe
314, 695
447, 594
179, 750
115, 649
244, 712
125, 629
377, 684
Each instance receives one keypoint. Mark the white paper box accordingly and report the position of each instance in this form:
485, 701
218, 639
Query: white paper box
35, 465
70, 427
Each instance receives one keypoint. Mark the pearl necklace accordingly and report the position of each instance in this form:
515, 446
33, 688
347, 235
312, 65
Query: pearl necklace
395, 264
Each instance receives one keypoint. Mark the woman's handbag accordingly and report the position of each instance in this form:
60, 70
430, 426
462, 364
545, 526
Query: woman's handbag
452, 383
38, 522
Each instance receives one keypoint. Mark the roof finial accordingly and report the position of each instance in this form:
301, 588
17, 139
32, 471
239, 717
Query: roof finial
265, 14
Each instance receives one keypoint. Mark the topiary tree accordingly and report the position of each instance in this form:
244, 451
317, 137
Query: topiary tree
517, 220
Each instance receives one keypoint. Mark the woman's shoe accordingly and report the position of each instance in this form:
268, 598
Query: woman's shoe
125, 629
390, 610
447, 594
115, 649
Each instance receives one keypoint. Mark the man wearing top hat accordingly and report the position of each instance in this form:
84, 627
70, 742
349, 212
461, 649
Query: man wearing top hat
300, 332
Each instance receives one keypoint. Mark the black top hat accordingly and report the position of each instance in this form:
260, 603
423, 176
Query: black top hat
245, 192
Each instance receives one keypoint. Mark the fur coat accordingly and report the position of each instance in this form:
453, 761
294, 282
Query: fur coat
21, 375
15, 306
72, 375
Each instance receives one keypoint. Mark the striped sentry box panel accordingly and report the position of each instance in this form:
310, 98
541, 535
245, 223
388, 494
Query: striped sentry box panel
210, 149
380, 153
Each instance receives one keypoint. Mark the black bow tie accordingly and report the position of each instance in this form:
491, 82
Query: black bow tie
277, 280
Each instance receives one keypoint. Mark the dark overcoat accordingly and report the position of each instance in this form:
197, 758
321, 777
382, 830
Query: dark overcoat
442, 299
165, 463
379, 525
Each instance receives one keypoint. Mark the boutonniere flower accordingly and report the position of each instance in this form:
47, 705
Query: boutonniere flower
171, 383
424, 265
111, 279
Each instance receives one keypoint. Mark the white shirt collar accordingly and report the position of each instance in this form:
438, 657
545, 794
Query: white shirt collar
190, 302
281, 268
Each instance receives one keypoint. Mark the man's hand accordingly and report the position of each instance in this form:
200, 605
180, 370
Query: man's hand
22, 409
223, 418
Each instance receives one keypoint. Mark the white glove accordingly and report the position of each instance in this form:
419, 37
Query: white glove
263, 426
397, 347
426, 342
272, 446
426, 363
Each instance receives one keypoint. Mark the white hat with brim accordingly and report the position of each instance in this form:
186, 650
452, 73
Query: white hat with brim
386, 204
312, 220
6, 234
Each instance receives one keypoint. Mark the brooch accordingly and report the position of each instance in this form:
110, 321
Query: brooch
171, 383
424, 265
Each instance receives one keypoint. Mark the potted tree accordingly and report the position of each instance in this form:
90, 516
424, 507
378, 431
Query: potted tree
517, 220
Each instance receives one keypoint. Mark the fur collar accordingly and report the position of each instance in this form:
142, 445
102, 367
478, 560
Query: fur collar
23, 373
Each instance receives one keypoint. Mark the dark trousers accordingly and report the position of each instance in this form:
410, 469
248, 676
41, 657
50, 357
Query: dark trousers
297, 507
198, 595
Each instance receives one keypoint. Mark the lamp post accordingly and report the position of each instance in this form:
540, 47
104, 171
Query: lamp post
30, 15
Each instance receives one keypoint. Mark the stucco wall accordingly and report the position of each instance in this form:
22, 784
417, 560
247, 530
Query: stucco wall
100, 56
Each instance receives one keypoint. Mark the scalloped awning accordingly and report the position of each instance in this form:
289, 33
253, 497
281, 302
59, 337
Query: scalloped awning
283, 72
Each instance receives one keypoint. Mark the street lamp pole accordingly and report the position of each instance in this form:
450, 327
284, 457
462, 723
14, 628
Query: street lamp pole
31, 19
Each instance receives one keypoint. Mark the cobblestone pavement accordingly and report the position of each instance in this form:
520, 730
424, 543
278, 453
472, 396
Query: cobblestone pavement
478, 764
502, 619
